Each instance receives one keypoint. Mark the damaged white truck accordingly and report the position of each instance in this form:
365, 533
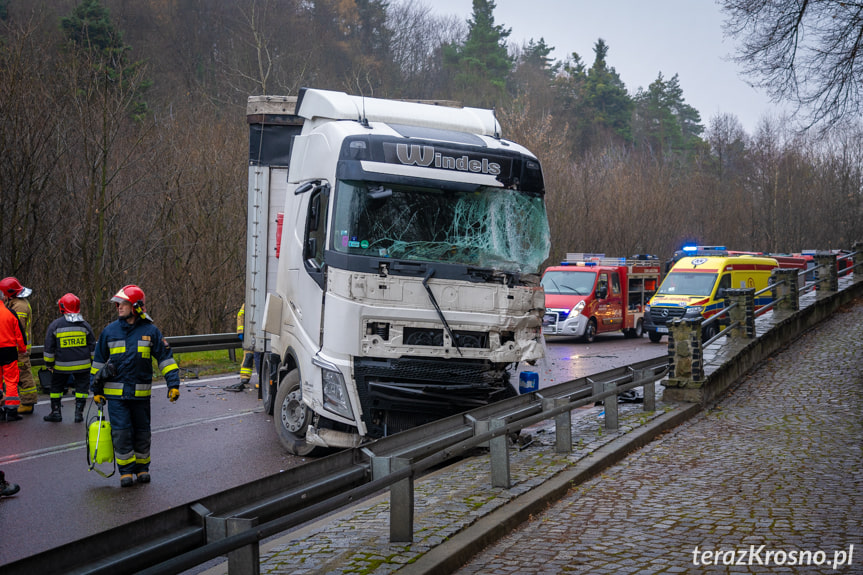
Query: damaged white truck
393, 257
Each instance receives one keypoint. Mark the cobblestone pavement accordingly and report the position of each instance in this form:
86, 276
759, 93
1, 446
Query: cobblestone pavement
446, 502
772, 478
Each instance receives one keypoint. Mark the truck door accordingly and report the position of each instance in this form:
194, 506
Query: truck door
614, 303
307, 299
609, 302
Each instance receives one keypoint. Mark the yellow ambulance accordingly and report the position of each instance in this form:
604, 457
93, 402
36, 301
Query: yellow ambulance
695, 286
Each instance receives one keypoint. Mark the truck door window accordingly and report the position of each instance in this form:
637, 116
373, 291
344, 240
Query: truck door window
602, 286
316, 230
615, 284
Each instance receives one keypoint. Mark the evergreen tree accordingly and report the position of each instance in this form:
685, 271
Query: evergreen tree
663, 120
95, 39
481, 65
593, 101
534, 75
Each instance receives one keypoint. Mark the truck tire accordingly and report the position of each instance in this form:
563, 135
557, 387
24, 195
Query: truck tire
267, 391
589, 331
638, 330
291, 417
655, 337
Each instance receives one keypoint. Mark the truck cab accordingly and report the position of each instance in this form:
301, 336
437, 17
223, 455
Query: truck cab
695, 286
590, 294
394, 258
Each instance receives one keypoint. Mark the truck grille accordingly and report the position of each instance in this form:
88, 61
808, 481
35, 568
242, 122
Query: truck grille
663, 315
397, 394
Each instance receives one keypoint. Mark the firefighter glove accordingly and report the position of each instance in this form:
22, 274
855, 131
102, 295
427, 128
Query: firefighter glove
173, 394
99, 399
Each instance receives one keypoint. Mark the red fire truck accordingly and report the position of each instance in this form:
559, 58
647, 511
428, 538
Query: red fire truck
590, 293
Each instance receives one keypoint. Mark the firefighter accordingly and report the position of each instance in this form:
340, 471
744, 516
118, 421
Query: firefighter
125, 349
16, 296
250, 358
69, 345
11, 346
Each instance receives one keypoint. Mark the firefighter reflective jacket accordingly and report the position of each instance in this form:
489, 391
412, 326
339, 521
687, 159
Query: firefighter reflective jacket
69, 345
21, 308
131, 349
241, 319
10, 331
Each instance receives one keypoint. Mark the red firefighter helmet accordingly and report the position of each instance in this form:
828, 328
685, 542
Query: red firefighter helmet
135, 296
69, 303
11, 287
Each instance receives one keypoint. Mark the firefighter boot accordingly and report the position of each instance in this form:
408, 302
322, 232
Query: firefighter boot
80, 402
7, 489
56, 415
26, 409
10, 414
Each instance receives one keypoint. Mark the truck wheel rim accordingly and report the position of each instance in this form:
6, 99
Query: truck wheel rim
293, 412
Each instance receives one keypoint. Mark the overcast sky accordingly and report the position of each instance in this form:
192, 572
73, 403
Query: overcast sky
644, 37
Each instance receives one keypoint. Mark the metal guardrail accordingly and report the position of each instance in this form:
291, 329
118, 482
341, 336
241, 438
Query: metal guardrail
234, 521
180, 344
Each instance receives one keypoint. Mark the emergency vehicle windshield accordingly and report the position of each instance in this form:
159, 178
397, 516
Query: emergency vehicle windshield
688, 283
487, 227
568, 283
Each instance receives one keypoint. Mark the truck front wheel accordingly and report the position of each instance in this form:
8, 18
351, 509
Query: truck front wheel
292, 416
654, 336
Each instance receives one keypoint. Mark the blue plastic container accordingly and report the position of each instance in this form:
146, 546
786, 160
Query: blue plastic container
528, 381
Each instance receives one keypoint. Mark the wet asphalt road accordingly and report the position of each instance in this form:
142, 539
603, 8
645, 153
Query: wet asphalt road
208, 441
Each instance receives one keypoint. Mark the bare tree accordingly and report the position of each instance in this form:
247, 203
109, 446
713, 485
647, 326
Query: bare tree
806, 52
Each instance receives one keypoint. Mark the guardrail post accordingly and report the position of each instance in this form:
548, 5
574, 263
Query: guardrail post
562, 424
245, 560
595, 386
743, 314
402, 505
685, 354
648, 389
610, 404
857, 248
499, 456
784, 290
828, 279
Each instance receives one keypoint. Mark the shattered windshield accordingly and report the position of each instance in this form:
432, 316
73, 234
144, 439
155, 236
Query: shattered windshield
489, 227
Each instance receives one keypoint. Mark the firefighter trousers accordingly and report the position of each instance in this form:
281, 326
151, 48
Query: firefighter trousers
9, 375
130, 432
26, 381
60, 383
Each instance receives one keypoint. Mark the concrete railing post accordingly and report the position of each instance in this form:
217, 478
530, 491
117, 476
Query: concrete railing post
828, 279
743, 314
784, 290
685, 353
857, 248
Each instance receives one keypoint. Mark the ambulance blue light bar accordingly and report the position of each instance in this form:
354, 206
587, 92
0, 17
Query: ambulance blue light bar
695, 248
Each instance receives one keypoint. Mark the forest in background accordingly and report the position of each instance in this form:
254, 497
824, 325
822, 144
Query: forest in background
124, 144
